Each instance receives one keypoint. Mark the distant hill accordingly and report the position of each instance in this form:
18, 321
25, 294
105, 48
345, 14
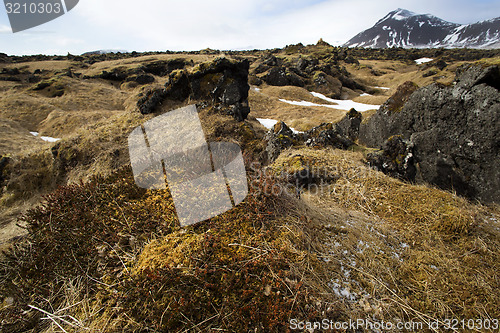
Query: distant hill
103, 52
402, 28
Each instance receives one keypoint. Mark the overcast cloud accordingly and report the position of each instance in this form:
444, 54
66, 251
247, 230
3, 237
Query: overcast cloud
156, 25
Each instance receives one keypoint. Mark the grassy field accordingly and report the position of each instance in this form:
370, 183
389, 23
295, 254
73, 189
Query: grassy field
87, 250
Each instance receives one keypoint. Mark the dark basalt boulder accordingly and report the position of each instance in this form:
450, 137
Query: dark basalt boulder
163, 68
307, 65
453, 130
327, 135
222, 82
349, 125
150, 100
271, 60
377, 129
326, 85
4, 160
178, 87
225, 82
116, 74
11, 71
281, 137
280, 76
278, 139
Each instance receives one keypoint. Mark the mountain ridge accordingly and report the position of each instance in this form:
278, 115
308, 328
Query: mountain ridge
403, 28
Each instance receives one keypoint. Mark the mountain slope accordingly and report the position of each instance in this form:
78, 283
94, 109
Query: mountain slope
402, 28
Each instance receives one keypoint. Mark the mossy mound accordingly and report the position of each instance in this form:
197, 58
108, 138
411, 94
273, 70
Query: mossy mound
233, 271
358, 187
417, 246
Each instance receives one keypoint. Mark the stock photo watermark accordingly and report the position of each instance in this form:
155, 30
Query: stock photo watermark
27, 14
397, 326
205, 180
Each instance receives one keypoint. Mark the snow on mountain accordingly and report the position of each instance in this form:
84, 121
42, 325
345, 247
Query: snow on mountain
103, 52
402, 28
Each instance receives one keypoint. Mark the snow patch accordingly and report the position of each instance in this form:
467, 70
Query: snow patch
269, 123
45, 138
423, 60
345, 104
341, 291
375, 40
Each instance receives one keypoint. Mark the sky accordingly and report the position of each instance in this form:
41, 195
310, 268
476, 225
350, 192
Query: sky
189, 25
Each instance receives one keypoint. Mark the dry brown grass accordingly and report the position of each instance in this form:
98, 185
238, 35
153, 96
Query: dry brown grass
490, 61
14, 138
49, 65
404, 251
31, 108
367, 245
394, 73
265, 104
98, 67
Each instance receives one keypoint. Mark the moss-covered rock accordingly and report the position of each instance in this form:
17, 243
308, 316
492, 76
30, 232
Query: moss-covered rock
327, 134
51, 88
223, 83
279, 138
163, 68
280, 76
349, 125
452, 128
150, 100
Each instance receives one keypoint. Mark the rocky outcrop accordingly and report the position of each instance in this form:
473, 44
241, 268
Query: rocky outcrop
4, 160
377, 130
51, 88
327, 135
280, 76
326, 84
141, 79
140, 75
223, 82
163, 68
281, 137
314, 72
453, 130
178, 87
349, 125
150, 100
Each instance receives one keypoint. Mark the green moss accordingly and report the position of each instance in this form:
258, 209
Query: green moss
318, 75
396, 102
354, 114
236, 262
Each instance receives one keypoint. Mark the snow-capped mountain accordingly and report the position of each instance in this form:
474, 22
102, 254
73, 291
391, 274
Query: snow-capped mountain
402, 28
103, 52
